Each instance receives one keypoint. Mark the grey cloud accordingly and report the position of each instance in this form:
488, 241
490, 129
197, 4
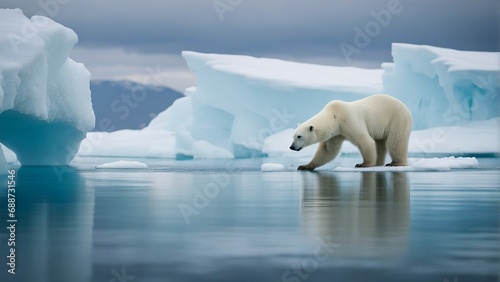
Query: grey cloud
282, 28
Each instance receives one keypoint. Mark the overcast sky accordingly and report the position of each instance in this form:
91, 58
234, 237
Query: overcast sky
130, 39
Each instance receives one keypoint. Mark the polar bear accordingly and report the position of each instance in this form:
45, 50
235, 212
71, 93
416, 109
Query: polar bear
374, 124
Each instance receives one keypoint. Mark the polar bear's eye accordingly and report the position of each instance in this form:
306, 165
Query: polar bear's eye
299, 136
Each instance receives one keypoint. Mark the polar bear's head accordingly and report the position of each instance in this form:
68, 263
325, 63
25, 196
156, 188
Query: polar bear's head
319, 128
304, 136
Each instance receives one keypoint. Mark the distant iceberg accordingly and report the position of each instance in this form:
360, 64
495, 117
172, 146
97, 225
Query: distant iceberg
244, 106
45, 106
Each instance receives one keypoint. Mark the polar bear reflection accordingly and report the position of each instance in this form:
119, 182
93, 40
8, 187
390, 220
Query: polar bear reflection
367, 213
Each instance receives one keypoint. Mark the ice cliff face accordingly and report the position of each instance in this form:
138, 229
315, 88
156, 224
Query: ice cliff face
239, 101
444, 86
45, 106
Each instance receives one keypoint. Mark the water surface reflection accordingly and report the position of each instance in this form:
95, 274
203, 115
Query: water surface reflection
55, 210
369, 217
96, 225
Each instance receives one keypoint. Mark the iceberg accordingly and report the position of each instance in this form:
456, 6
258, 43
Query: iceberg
444, 86
10, 156
239, 100
243, 106
45, 104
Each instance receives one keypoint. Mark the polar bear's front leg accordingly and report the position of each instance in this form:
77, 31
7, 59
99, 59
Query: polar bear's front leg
367, 147
325, 152
319, 157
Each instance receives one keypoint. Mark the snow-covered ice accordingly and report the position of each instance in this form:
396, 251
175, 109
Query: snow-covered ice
148, 143
244, 106
129, 143
420, 164
474, 137
122, 165
272, 167
45, 106
449, 163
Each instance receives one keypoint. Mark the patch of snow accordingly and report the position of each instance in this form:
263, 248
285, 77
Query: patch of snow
123, 165
420, 164
272, 167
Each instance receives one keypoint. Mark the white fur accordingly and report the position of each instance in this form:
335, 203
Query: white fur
375, 124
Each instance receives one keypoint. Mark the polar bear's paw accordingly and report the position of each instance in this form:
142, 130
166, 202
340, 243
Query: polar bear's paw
305, 167
393, 163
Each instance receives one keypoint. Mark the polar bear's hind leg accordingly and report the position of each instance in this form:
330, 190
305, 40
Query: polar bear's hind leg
397, 144
381, 152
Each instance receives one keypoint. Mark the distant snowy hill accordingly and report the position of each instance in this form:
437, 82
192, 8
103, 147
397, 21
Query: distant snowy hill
128, 105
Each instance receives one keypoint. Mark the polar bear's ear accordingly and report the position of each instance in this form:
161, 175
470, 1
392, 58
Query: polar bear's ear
311, 127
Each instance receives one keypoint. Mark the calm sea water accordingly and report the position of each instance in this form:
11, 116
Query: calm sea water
206, 220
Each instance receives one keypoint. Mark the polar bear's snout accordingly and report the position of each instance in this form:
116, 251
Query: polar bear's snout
293, 147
